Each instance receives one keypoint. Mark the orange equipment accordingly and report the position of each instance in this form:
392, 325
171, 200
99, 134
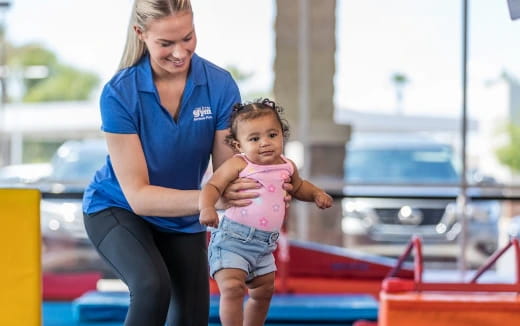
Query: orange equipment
414, 302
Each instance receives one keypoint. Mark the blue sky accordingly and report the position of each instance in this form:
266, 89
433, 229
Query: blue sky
375, 38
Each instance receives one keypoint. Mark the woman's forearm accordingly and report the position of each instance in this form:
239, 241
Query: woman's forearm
165, 202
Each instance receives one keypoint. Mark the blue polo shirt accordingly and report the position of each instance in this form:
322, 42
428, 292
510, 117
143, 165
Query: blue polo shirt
177, 152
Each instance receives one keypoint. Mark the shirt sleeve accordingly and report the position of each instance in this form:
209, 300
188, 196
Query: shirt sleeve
115, 115
231, 96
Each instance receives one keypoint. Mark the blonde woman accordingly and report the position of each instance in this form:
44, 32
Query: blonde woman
164, 114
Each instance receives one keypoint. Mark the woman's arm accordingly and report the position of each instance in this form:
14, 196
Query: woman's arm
221, 151
129, 164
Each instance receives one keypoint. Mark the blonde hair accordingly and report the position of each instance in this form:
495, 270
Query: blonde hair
143, 12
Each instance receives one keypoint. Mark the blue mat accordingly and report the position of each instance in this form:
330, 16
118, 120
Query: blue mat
60, 313
112, 306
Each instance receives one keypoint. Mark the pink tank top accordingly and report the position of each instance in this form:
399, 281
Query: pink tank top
267, 211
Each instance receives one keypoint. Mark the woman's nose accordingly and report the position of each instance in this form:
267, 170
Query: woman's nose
178, 53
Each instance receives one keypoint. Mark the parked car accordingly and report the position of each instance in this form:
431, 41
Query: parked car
73, 165
398, 186
65, 246
24, 173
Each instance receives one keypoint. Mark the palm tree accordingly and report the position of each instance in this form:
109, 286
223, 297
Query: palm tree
399, 80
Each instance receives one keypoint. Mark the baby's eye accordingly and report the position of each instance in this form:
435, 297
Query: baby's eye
273, 134
254, 138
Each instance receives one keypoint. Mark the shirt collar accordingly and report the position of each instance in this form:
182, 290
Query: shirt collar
144, 70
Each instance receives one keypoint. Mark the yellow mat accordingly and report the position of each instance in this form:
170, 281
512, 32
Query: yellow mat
20, 257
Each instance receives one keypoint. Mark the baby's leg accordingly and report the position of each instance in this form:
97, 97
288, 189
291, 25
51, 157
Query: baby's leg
232, 286
261, 291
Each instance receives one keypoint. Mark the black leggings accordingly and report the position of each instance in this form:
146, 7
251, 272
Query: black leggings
166, 273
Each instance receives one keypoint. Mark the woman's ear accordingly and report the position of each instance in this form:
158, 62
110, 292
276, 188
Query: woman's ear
139, 32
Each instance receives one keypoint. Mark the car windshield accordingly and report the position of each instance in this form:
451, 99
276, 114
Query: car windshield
77, 162
400, 166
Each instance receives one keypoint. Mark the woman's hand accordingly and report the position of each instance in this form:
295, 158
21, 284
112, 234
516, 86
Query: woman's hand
239, 193
288, 187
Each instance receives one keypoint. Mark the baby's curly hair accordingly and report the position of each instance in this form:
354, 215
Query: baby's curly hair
252, 110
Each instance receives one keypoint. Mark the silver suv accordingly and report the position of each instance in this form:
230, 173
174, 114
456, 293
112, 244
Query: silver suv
401, 185
65, 247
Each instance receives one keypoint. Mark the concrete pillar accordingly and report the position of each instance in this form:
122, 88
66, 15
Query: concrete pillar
311, 78
5, 149
325, 138
16, 148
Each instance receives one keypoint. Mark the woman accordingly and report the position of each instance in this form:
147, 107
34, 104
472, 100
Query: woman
164, 113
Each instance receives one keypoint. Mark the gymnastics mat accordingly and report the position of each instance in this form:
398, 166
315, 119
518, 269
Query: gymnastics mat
20, 265
97, 306
68, 286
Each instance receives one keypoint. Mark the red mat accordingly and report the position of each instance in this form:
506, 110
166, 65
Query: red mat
68, 286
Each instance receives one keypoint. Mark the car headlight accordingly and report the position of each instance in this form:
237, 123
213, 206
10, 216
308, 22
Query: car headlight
63, 218
354, 208
357, 217
513, 228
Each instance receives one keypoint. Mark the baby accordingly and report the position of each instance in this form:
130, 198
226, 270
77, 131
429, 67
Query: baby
241, 248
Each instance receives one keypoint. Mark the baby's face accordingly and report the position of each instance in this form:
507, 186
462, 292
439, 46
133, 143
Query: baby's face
261, 139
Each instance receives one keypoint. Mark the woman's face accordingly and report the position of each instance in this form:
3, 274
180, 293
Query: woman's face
171, 42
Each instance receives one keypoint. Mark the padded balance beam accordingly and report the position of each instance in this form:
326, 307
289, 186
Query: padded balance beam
98, 306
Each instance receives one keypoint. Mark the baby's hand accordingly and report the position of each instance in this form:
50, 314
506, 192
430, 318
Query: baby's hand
323, 200
209, 217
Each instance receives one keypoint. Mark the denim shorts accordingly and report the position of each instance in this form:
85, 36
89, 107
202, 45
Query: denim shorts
235, 245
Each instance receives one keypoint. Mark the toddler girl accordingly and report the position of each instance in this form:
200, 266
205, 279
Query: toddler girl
241, 248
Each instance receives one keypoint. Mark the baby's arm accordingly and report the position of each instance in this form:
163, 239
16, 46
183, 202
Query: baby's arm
212, 190
306, 191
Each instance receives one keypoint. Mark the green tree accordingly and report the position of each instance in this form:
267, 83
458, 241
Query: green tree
242, 77
65, 84
60, 82
238, 74
509, 154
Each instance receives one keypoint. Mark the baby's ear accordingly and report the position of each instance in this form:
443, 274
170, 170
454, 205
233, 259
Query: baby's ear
236, 146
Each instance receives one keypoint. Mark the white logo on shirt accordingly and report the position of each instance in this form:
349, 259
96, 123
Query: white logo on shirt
202, 113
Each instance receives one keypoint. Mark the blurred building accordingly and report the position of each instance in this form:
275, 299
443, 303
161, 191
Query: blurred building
46, 121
